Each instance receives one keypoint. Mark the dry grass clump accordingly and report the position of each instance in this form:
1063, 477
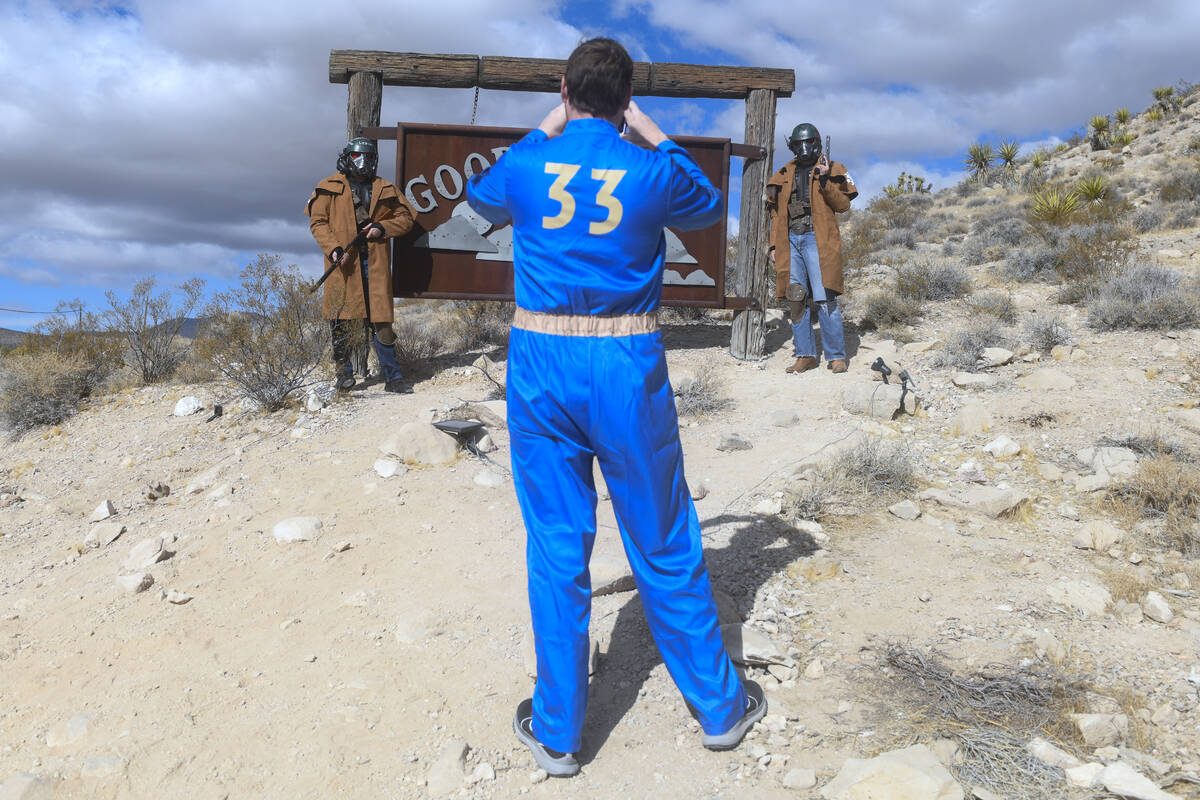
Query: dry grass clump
886, 310
1148, 218
1153, 445
704, 394
991, 714
40, 389
1046, 331
992, 303
873, 467
267, 335
965, 346
1125, 583
417, 341
1167, 490
930, 280
1180, 184
1147, 297
478, 323
1034, 263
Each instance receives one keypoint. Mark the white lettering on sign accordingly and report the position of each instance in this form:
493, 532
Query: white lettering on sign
447, 180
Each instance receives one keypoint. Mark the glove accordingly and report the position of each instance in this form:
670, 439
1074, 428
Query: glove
335, 255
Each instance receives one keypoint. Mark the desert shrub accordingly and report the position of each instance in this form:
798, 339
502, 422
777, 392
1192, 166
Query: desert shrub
1008, 230
1182, 214
992, 303
1146, 297
979, 160
476, 323
703, 394
907, 184
975, 202
862, 237
1092, 189
1089, 255
1192, 147
42, 388
900, 237
1180, 184
1122, 116
417, 341
1044, 332
886, 309
930, 280
682, 315
1099, 137
1148, 218
1034, 263
73, 332
1166, 489
1053, 204
149, 324
873, 467
806, 499
964, 346
902, 211
267, 335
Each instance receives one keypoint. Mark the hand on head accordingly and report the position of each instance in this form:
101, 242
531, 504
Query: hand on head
642, 131
555, 121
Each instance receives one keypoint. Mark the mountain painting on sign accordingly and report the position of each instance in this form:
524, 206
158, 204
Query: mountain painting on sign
453, 252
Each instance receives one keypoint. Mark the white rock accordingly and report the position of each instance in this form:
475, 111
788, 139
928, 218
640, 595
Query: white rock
1089, 598
1047, 753
146, 553
1084, 775
486, 444
877, 400
297, 529
768, 506
68, 732
784, 418
913, 773
1047, 378
1002, 447
319, 396
178, 598
489, 478
1124, 781
187, 406
203, 481
389, 468
800, 779
103, 534
1068, 511
732, 442
1100, 730
1049, 647
747, 645
447, 772
103, 511
987, 500
102, 767
28, 786
482, 772
814, 670
1115, 462
698, 490
995, 357
421, 443
1155, 607
905, 509
1097, 535
137, 582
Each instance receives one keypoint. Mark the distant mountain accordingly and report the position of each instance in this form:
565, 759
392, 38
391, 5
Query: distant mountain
10, 338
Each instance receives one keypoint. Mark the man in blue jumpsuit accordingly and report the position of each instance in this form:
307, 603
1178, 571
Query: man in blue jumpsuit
587, 379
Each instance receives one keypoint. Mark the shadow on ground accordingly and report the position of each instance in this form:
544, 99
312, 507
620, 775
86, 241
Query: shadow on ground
760, 548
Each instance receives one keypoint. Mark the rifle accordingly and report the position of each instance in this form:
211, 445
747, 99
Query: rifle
357, 242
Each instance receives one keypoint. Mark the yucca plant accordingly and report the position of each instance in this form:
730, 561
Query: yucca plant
1092, 190
1039, 159
1165, 99
1122, 116
1008, 152
1163, 93
1099, 124
1123, 139
980, 158
1154, 114
1099, 138
1053, 204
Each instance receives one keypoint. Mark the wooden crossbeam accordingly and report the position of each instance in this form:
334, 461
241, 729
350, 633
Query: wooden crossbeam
542, 74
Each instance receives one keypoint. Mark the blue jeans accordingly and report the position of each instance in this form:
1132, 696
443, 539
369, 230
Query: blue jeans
344, 334
806, 269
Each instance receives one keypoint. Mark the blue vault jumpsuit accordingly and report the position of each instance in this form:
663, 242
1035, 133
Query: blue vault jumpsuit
588, 211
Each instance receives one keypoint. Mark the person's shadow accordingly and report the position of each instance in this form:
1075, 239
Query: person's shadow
760, 548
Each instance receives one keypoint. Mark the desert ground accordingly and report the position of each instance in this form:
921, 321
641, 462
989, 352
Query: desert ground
382, 654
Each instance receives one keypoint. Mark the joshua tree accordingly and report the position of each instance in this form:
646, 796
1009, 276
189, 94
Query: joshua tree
1099, 126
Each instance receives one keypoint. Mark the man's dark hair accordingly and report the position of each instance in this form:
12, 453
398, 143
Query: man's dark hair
599, 74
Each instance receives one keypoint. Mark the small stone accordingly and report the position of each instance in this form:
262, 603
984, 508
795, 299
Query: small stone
972, 419
297, 529
1068, 511
911, 773
1097, 535
137, 582
1050, 648
489, 478
1155, 607
925, 596
482, 772
1165, 716
448, 770
1099, 730
485, 444
784, 418
800, 779
732, 442
157, 491
178, 598
1061, 352
146, 553
1049, 472
103, 534
103, 511
905, 509
421, 443
814, 670
28, 786
68, 732
995, 357
1047, 753
698, 490
203, 481
1002, 447
538, 776
769, 506
1124, 781
973, 380
747, 645
880, 401
1089, 598
319, 396
389, 468
95, 768
187, 406
1084, 775
1047, 379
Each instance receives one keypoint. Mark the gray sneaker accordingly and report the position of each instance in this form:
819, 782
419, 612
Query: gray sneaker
556, 764
756, 706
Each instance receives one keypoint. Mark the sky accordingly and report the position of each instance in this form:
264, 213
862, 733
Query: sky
175, 139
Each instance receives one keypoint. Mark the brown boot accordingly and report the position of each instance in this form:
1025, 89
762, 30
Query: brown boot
803, 364
837, 366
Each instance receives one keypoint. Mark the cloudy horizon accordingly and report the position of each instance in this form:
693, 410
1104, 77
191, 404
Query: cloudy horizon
155, 138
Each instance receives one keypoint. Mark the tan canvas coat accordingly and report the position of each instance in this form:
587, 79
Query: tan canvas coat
834, 198
331, 219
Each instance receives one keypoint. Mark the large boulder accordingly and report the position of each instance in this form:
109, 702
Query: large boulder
1089, 599
913, 773
878, 400
421, 443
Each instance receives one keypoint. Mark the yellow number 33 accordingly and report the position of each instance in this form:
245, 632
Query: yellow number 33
604, 197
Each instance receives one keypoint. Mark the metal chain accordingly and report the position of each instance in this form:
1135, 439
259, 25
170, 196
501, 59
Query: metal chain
475, 108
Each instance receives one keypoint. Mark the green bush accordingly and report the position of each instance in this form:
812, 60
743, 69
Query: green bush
267, 335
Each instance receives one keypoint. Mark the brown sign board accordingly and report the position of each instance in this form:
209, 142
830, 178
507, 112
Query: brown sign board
454, 253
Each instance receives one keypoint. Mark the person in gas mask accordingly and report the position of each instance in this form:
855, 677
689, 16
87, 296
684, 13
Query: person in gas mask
358, 294
806, 247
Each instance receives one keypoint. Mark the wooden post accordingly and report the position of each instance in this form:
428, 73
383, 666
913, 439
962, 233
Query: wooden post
364, 102
748, 339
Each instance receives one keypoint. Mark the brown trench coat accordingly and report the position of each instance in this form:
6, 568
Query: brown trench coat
834, 198
331, 219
